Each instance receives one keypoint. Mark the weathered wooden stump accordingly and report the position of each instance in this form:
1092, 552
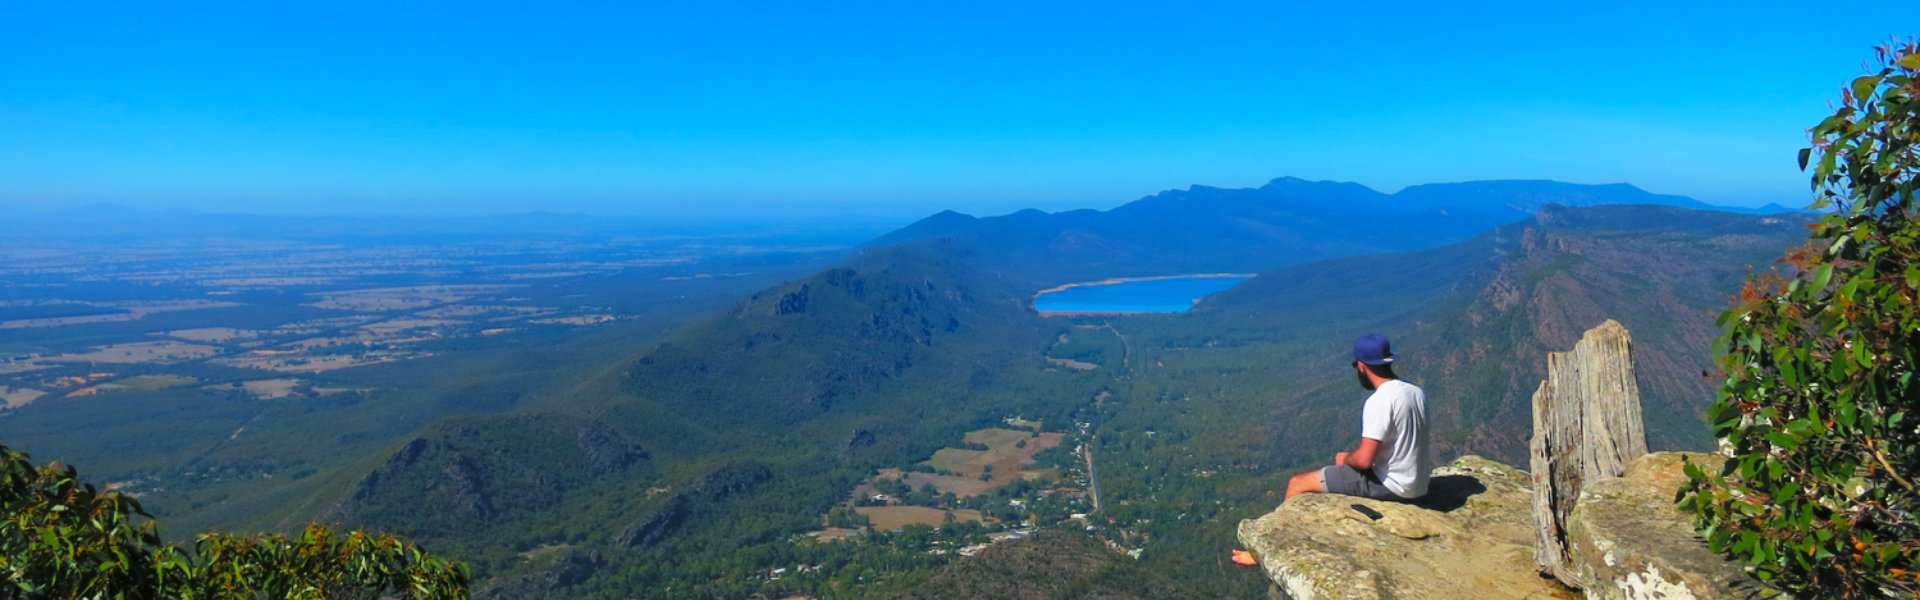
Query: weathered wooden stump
1586, 427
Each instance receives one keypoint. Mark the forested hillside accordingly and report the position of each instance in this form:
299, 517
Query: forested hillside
713, 447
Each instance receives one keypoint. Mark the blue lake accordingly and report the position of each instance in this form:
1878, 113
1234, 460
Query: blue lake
1160, 295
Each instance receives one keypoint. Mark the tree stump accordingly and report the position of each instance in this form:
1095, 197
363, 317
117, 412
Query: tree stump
1586, 427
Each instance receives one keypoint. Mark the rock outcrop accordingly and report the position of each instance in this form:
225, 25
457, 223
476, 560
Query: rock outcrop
1586, 428
1470, 537
1597, 504
1627, 540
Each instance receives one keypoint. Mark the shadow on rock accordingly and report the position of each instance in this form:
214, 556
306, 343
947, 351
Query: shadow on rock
1448, 492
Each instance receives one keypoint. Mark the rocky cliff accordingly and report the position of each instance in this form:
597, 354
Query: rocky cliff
1471, 536
1596, 519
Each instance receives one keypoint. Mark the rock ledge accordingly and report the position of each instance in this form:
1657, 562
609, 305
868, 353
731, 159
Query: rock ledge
1470, 537
1628, 540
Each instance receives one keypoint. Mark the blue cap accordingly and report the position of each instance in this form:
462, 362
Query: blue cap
1373, 349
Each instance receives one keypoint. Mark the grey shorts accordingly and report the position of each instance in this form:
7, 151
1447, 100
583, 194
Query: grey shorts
1342, 479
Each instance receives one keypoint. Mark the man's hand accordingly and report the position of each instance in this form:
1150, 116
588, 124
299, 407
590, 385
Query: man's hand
1339, 458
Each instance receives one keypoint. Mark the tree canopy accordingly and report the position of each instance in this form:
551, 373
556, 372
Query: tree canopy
1818, 404
63, 538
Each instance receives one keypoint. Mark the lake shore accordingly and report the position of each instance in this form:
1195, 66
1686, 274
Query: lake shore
1094, 313
1114, 280
1079, 309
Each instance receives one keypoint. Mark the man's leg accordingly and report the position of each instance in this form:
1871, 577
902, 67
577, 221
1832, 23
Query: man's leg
1348, 481
1305, 483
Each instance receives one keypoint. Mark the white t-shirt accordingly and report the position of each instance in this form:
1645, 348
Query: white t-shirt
1396, 414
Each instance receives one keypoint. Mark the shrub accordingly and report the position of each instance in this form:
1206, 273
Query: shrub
1817, 410
62, 538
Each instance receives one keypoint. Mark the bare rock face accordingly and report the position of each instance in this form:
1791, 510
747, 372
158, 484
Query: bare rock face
1470, 537
1586, 429
1627, 539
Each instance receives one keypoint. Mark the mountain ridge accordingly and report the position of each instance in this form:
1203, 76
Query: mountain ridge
1288, 220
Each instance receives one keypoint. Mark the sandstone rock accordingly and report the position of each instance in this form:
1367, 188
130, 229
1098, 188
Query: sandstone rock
1586, 428
1627, 540
1470, 537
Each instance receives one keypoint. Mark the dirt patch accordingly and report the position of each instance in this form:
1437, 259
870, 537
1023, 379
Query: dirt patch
545, 550
834, 533
154, 382
1072, 364
888, 518
1022, 423
329, 391
264, 389
93, 389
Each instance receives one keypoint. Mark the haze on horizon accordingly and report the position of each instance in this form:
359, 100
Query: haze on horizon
877, 108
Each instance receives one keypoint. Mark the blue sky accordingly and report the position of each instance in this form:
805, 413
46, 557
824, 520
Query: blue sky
786, 108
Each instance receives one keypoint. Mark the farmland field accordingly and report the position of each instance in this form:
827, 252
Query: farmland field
140, 352
888, 518
13, 397
268, 389
1008, 453
141, 355
960, 486
212, 334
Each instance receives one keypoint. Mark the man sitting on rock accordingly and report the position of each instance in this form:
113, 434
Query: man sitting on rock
1393, 460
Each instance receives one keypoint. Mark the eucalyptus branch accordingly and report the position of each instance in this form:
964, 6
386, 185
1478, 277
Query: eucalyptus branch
1889, 467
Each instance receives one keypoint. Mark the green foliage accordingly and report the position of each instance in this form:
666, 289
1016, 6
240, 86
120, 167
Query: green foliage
847, 518
1819, 402
62, 538
320, 563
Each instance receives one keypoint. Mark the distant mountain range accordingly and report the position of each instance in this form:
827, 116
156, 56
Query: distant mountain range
1288, 220
1445, 207
690, 460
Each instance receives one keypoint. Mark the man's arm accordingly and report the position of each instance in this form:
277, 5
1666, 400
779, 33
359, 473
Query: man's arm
1376, 421
1361, 458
